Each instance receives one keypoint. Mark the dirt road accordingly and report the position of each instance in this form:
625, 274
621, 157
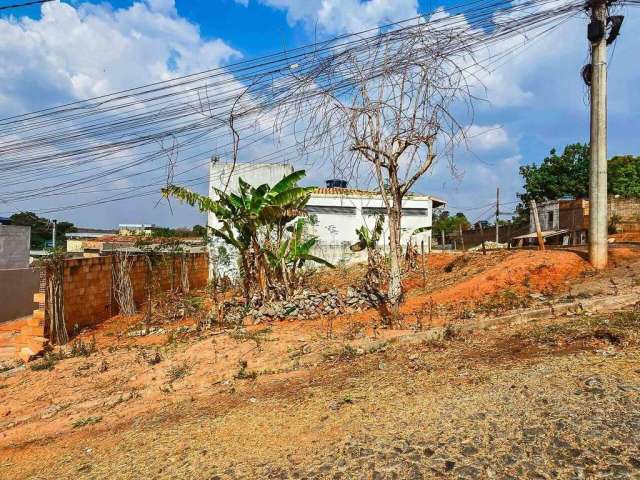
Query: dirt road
546, 400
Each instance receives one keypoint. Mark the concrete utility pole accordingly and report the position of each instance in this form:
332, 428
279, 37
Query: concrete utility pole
598, 239
498, 215
53, 238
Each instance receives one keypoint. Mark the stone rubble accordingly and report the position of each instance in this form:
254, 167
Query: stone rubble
303, 305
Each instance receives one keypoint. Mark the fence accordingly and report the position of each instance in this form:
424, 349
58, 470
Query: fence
88, 284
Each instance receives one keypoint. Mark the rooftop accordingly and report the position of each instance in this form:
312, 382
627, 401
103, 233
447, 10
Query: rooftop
356, 192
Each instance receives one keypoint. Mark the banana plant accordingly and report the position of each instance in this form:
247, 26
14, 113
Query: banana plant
368, 239
251, 218
295, 250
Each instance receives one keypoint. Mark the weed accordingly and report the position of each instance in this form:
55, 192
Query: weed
176, 372
243, 374
83, 422
378, 347
258, 336
80, 348
348, 353
504, 301
345, 400
150, 358
47, 362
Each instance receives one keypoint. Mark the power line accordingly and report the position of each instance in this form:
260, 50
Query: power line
112, 136
26, 4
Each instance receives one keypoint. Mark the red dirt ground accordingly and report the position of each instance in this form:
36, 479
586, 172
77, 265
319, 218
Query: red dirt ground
39, 406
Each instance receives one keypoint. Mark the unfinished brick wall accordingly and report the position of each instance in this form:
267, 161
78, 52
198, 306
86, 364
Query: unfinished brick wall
88, 293
628, 211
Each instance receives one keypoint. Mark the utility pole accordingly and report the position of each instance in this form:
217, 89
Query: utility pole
536, 221
497, 216
598, 244
484, 249
53, 239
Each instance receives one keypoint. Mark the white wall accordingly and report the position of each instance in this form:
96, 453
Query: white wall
340, 227
543, 214
221, 174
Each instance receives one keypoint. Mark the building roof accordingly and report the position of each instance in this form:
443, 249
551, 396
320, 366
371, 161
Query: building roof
545, 234
88, 234
356, 192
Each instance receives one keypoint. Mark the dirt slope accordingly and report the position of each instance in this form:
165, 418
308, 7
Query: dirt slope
337, 398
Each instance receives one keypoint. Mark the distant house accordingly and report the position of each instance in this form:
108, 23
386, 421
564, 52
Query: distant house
565, 221
110, 244
139, 229
336, 210
76, 240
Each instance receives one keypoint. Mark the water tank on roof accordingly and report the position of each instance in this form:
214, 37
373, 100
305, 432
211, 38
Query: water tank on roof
336, 183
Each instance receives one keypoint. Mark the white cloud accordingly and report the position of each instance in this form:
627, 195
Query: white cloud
75, 53
340, 16
486, 137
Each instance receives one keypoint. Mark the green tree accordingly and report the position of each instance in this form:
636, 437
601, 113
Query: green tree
42, 229
557, 175
199, 231
444, 222
624, 176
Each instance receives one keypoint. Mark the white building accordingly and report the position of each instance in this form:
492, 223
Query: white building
132, 229
337, 211
340, 210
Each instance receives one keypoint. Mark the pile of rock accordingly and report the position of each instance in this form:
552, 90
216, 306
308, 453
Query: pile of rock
306, 304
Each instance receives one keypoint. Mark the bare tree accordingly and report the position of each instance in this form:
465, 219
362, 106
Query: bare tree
398, 106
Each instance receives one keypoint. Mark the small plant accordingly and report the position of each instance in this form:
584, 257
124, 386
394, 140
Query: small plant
348, 352
150, 358
258, 336
243, 374
176, 372
47, 362
83, 422
80, 348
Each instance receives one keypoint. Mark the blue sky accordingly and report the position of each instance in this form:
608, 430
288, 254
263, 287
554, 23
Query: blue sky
535, 100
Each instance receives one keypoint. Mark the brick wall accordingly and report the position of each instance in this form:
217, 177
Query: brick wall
628, 210
88, 295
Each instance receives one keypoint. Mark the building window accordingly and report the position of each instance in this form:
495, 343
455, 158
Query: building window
415, 212
409, 212
330, 210
374, 211
550, 220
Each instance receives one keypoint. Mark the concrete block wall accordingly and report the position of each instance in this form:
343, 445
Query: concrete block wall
88, 290
628, 211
